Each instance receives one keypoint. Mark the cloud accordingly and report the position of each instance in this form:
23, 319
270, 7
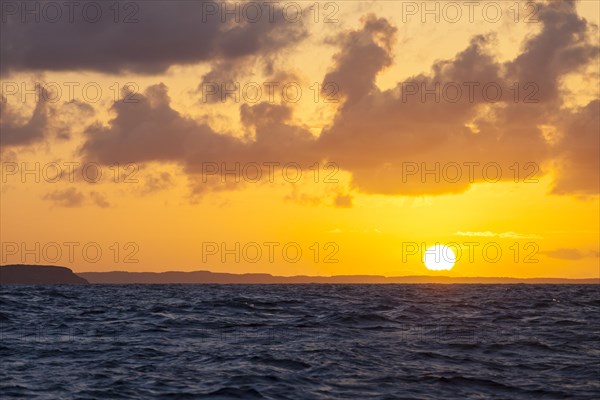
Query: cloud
503, 235
150, 130
304, 199
72, 198
562, 46
159, 35
570, 254
99, 199
157, 182
46, 120
376, 134
18, 131
343, 200
578, 152
363, 54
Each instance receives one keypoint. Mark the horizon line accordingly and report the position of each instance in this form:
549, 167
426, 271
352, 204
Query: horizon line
328, 276
234, 274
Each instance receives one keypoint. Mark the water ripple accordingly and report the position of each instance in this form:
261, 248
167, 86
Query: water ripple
300, 342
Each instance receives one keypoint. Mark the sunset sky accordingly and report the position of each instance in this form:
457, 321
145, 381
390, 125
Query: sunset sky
380, 129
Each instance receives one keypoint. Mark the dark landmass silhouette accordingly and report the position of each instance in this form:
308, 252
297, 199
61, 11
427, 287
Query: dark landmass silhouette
38, 275
47, 274
204, 277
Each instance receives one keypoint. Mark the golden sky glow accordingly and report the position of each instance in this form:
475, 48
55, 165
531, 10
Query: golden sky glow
367, 210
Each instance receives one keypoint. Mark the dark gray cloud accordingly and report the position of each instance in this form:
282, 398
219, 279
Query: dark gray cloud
166, 33
363, 54
562, 46
150, 130
19, 129
15, 130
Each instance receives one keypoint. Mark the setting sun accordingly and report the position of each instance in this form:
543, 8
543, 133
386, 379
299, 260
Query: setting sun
439, 258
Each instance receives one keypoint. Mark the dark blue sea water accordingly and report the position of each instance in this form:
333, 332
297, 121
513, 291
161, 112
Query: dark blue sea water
300, 342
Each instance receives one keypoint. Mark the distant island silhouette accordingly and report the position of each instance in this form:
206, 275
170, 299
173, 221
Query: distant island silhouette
46, 274
38, 275
199, 277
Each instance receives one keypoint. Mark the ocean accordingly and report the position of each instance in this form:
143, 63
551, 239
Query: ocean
300, 342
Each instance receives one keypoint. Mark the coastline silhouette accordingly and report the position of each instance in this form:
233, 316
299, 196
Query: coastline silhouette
22, 274
45, 274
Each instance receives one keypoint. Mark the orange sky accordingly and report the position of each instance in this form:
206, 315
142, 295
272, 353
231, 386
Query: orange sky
364, 164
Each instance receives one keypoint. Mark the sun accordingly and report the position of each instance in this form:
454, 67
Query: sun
439, 258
